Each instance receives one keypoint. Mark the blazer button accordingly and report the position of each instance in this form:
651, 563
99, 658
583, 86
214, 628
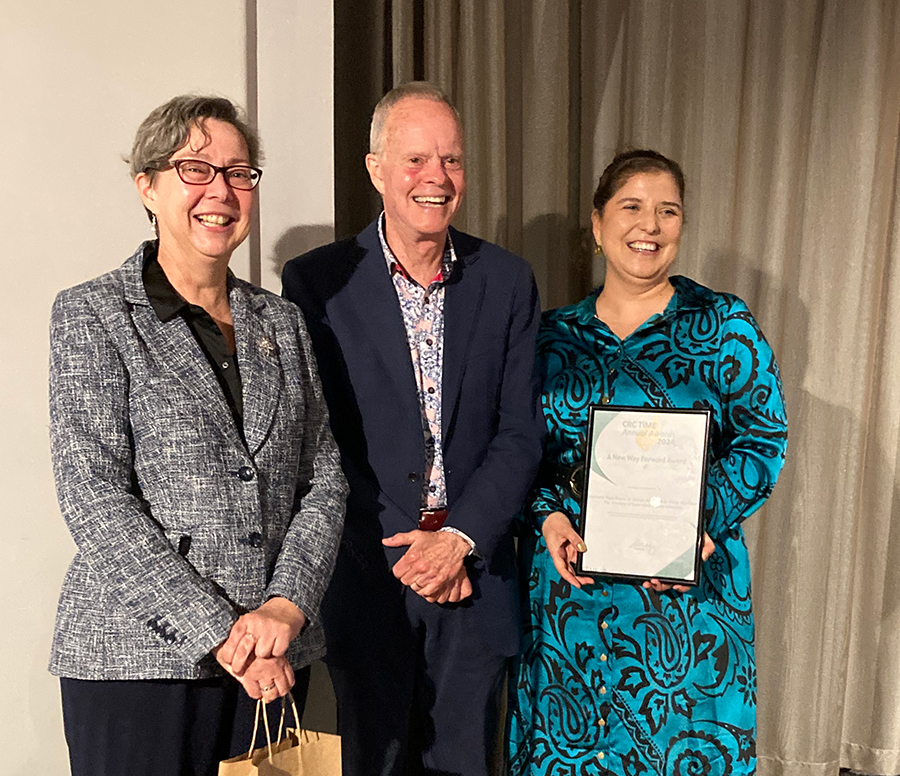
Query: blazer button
256, 539
412, 477
246, 473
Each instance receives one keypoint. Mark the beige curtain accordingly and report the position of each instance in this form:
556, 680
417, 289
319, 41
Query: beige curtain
785, 115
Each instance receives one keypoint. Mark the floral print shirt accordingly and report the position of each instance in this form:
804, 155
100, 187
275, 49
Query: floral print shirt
423, 318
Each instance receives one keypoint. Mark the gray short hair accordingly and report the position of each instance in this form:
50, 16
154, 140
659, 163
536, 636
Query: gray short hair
169, 126
419, 89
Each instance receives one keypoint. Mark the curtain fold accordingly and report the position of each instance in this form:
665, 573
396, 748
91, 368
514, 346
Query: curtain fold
786, 120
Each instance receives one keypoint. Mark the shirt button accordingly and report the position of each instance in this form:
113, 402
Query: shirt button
255, 539
246, 473
431, 389
429, 341
425, 300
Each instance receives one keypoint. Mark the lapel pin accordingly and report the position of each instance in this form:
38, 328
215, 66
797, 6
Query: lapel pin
266, 346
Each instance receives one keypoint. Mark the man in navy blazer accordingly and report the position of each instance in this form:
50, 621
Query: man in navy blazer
425, 342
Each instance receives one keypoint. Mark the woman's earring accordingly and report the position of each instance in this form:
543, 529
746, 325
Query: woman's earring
153, 225
597, 249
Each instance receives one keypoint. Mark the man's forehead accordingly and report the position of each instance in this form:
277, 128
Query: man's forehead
419, 113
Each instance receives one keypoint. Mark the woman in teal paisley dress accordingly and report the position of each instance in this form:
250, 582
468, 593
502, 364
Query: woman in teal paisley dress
628, 679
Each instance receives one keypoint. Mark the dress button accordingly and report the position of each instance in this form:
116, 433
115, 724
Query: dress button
255, 539
412, 477
246, 473
604, 399
602, 722
601, 756
603, 658
603, 691
604, 625
604, 593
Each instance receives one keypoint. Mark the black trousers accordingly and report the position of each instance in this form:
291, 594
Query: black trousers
161, 726
417, 693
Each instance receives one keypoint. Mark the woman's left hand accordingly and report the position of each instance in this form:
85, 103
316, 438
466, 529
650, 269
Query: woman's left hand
264, 633
267, 678
708, 549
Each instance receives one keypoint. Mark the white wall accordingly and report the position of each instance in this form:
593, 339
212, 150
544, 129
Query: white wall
76, 81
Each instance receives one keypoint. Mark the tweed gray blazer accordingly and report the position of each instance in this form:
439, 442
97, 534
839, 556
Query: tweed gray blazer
180, 525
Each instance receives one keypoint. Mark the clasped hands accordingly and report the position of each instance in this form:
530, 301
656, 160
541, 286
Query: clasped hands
564, 544
254, 651
433, 565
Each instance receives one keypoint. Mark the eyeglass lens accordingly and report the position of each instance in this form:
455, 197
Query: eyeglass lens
199, 173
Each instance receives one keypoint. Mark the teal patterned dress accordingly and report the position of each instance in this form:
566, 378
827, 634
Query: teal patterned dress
613, 678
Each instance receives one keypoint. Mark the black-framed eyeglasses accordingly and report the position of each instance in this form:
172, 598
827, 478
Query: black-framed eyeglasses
199, 173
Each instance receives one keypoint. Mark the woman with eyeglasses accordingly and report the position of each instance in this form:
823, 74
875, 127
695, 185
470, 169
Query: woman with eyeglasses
195, 470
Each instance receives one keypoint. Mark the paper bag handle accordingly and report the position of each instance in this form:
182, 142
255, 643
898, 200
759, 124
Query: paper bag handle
261, 710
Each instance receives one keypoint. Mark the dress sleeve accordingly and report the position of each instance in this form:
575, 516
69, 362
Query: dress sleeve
545, 498
751, 450
92, 448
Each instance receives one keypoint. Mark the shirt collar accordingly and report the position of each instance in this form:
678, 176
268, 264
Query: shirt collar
448, 260
688, 296
164, 299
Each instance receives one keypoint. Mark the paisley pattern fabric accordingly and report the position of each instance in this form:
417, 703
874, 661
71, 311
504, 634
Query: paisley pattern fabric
613, 678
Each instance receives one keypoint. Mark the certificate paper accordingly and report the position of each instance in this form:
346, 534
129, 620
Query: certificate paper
645, 479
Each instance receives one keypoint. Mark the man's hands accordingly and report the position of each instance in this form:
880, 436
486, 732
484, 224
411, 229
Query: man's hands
254, 651
433, 565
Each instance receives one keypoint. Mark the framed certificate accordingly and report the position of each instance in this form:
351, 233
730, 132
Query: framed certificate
643, 493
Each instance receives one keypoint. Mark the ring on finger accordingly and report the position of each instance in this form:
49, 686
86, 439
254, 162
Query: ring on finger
267, 687
255, 638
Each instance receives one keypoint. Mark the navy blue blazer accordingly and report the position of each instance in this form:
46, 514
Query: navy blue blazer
491, 429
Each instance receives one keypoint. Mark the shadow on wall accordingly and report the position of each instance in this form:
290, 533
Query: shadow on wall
298, 240
801, 533
559, 252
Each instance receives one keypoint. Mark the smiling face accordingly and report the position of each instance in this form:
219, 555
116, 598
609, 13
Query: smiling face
419, 169
639, 229
205, 222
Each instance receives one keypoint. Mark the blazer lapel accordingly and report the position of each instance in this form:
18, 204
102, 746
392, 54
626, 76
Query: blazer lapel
176, 351
462, 305
259, 364
372, 313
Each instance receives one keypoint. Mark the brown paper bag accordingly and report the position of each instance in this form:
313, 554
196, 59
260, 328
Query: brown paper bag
310, 754
297, 753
